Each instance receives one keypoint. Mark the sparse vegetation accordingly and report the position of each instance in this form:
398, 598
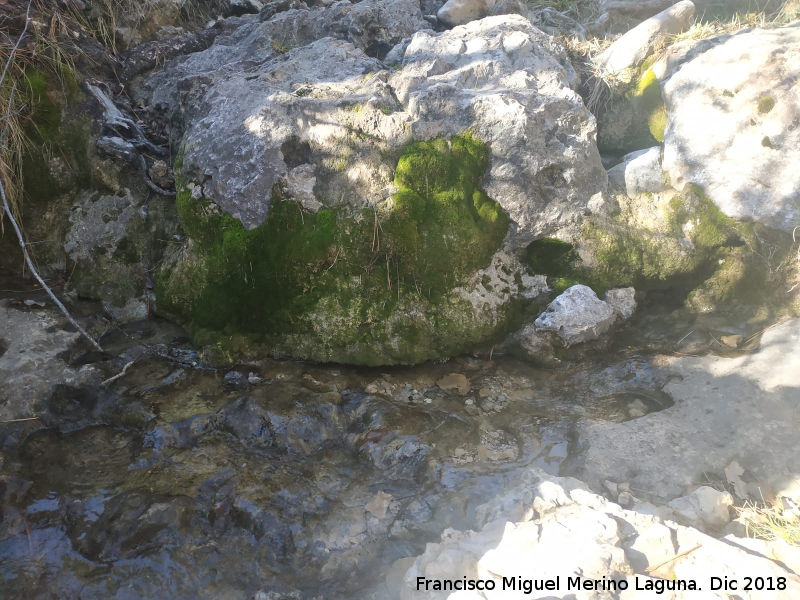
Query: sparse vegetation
771, 523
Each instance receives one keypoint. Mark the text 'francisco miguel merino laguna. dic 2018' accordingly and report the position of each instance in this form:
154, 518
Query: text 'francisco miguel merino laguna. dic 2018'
573, 583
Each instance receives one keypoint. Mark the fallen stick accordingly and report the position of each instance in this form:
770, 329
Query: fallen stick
118, 375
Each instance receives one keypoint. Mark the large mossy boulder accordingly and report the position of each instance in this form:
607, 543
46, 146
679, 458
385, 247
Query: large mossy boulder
387, 284
339, 209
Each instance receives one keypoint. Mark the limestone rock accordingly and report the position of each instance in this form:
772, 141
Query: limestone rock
639, 172
732, 110
577, 315
724, 410
112, 240
537, 345
446, 90
632, 49
566, 530
322, 125
459, 12
622, 300
31, 344
705, 508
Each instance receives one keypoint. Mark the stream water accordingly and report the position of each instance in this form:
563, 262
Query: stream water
175, 482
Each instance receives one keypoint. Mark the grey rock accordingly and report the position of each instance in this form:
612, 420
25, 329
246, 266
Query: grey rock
543, 181
247, 421
244, 7
622, 300
31, 346
460, 12
632, 49
724, 410
560, 526
112, 239
235, 380
537, 345
577, 315
533, 173
278, 6
639, 172
730, 129
704, 508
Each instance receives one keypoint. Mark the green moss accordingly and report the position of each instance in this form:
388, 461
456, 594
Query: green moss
657, 258
362, 288
45, 114
636, 119
765, 104
657, 123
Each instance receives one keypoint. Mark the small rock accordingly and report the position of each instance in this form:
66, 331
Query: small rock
577, 315
235, 380
536, 345
379, 505
458, 12
622, 300
732, 341
626, 500
254, 379
633, 48
611, 487
637, 409
704, 507
159, 174
454, 382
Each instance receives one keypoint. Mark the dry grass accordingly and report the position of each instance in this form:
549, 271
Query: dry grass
49, 48
771, 523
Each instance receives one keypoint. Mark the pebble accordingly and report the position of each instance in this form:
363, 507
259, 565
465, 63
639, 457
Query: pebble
454, 382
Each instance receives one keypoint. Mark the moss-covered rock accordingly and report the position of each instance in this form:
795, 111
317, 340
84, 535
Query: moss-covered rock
635, 119
682, 241
659, 240
377, 286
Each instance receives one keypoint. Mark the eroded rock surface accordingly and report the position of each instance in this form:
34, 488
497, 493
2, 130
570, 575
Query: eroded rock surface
732, 111
726, 409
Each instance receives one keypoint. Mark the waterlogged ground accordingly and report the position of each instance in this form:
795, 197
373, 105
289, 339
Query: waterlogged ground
176, 482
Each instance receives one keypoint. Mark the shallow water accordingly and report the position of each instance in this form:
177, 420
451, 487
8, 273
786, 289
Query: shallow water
178, 482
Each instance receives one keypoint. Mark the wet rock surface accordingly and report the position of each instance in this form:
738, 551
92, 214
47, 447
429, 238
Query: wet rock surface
277, 472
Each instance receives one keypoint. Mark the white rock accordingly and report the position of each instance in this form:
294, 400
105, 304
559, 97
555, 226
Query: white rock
300, 183
704, 507
639, 172
731, 128
724, 408
577, 315
632, 48
622, 300
459, 12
